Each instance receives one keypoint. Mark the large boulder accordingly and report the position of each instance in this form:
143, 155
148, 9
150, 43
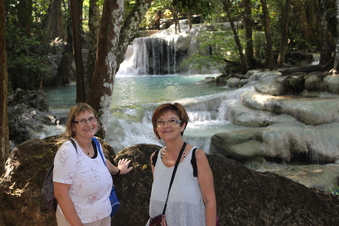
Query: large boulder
27, 115
240, 115
244, 196
278, 127
20, 185
332, 83
270, 87
310, 111
289, 142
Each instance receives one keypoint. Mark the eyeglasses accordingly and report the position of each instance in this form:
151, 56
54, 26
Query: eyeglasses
172, 122
84, 121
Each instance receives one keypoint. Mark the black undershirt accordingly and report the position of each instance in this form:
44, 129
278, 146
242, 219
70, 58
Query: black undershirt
95, 150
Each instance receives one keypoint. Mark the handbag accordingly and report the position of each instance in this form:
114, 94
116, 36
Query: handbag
115, 203
160, 220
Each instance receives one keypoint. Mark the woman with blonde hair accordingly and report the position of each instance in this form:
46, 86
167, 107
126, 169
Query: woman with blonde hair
82, 180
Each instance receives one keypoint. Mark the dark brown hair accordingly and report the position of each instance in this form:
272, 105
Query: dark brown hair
176, 108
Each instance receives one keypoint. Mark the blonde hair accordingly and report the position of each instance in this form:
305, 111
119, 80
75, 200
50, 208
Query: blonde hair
176, 108
75, 111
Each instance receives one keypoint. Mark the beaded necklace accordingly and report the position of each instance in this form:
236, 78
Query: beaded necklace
163, 151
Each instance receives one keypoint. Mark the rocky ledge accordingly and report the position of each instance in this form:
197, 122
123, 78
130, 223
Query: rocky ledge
244, 196
28, 115
285, 118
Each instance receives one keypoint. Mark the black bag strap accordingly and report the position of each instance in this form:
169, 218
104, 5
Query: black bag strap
99, 149
75, 146
47, 187
194, 163
155, 157
173, 174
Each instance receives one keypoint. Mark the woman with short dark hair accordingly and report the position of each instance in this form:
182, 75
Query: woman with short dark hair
191, 201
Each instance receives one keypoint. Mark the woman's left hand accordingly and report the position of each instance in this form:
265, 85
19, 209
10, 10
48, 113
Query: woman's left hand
124, 167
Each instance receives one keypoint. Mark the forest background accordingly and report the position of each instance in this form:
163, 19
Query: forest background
30, 30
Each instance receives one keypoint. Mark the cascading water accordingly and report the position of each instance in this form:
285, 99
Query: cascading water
135, 99
151, 56
162, 53
208, 106
132, 124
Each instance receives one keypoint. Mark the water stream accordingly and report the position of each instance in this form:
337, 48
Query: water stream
136, 97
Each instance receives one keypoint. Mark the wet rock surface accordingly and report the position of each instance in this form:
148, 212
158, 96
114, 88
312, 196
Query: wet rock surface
27, 114
283, 116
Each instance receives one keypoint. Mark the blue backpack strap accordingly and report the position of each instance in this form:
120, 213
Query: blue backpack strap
155, 157
99, 149
194, 163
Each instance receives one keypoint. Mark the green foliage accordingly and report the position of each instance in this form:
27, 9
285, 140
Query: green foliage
297, 42
214, 48
26, 60
40, 8
157, 6
204, 7
26, 53
218, 46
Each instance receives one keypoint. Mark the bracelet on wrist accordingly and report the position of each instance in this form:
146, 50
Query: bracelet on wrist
117, 173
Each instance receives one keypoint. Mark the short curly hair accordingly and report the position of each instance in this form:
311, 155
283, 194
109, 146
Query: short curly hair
176, 108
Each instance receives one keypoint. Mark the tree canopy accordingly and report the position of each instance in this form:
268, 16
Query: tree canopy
37, 28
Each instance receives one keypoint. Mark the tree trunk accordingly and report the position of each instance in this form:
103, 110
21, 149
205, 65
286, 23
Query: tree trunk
106, 63
303, 21
158, 20
270, 56
53, 24
130, 28
227, 5
284, 36
325, 51
176, 19
189, 15
249, 38
4, 133
94, 26
25, 15
65, 66
76, 14
336, 56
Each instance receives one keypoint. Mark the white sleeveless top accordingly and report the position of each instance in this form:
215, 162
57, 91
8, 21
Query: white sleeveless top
185, 206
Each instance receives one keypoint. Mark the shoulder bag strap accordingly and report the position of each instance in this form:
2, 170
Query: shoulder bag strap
155, 157
99, 149
194, 163
75, 146
173, 174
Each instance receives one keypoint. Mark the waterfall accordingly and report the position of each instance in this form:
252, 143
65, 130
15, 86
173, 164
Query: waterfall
151, 56
316, 59
163, 52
